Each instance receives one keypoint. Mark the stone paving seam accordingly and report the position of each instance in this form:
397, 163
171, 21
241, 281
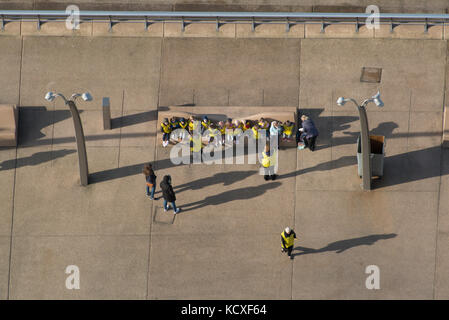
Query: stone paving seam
154, 158
440, 180
14, 181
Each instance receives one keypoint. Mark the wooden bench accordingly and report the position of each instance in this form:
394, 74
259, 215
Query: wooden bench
9, 119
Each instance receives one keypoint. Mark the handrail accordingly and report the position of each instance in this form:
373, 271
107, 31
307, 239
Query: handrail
200, 14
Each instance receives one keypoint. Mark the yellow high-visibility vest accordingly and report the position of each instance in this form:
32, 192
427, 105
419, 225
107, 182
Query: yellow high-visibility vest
289, 240
183, 126
288, 130
166, 127
255, 132
197, 144
266, 160
213, 132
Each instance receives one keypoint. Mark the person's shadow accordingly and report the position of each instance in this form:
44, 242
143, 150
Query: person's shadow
343, 245
237, 194
226, 178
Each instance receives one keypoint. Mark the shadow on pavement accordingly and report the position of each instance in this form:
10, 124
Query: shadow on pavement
133, 119
343, 245
35, 159
398, 169
227, 178
232, 195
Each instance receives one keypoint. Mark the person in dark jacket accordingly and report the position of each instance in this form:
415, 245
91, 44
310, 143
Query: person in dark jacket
309, 133
150, 179
168, 194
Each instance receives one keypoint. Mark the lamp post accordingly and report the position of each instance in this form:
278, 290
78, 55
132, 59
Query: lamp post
364, 132
79, 133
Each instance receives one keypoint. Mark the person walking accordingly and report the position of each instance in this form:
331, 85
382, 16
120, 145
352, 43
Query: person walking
150, 178
309, 132
168, 194
288, 237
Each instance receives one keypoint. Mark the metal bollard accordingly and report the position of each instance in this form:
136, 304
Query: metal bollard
106, 114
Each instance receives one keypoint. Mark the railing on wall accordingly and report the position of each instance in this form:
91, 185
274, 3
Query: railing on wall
220, 18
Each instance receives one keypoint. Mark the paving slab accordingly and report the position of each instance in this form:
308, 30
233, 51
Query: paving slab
4, 266
106, 206
7, 171
364, 229
215, 266
96, 70
10, 53
243, 66
405, 64
441, 288
109, 267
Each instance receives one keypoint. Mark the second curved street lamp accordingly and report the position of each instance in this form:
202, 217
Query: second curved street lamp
364, 132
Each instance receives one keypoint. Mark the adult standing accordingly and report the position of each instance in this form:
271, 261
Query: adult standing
150, 178
168, 194
288, 237
268, 163
309, 132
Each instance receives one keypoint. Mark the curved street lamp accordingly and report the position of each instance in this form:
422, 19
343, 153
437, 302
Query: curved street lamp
79, 133
364, 131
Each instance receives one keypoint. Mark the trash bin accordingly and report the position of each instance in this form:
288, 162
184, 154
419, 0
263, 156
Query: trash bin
376, 156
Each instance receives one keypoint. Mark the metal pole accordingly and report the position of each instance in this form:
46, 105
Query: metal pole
366, 149
80, 144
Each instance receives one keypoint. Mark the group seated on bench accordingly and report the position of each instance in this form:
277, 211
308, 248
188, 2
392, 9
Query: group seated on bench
220, 133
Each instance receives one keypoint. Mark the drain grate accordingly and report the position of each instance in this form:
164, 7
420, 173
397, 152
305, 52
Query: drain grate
372, 75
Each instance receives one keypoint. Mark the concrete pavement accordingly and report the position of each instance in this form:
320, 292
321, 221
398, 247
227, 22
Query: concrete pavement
225, 243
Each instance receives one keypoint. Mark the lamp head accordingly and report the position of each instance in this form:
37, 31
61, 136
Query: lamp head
86, 96
50, 96
377, 100
341, 101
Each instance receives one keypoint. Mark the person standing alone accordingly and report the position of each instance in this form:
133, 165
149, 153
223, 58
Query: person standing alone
268, 163
150, 178
168, 194
288, 237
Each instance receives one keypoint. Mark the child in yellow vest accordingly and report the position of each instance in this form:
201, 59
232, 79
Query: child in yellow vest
229, 131
287, 133
166, 130
222, 129
238, 130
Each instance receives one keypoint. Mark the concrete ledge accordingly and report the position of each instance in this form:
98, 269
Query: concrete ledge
229, 30
11, 29
29, 28
337, 31
174, 29
446, 128
9, 120
269, 31
409, 32
216, 114
133, 29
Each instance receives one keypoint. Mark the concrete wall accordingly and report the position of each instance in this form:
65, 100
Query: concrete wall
231, 30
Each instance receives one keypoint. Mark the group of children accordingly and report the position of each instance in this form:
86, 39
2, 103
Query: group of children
223, 132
